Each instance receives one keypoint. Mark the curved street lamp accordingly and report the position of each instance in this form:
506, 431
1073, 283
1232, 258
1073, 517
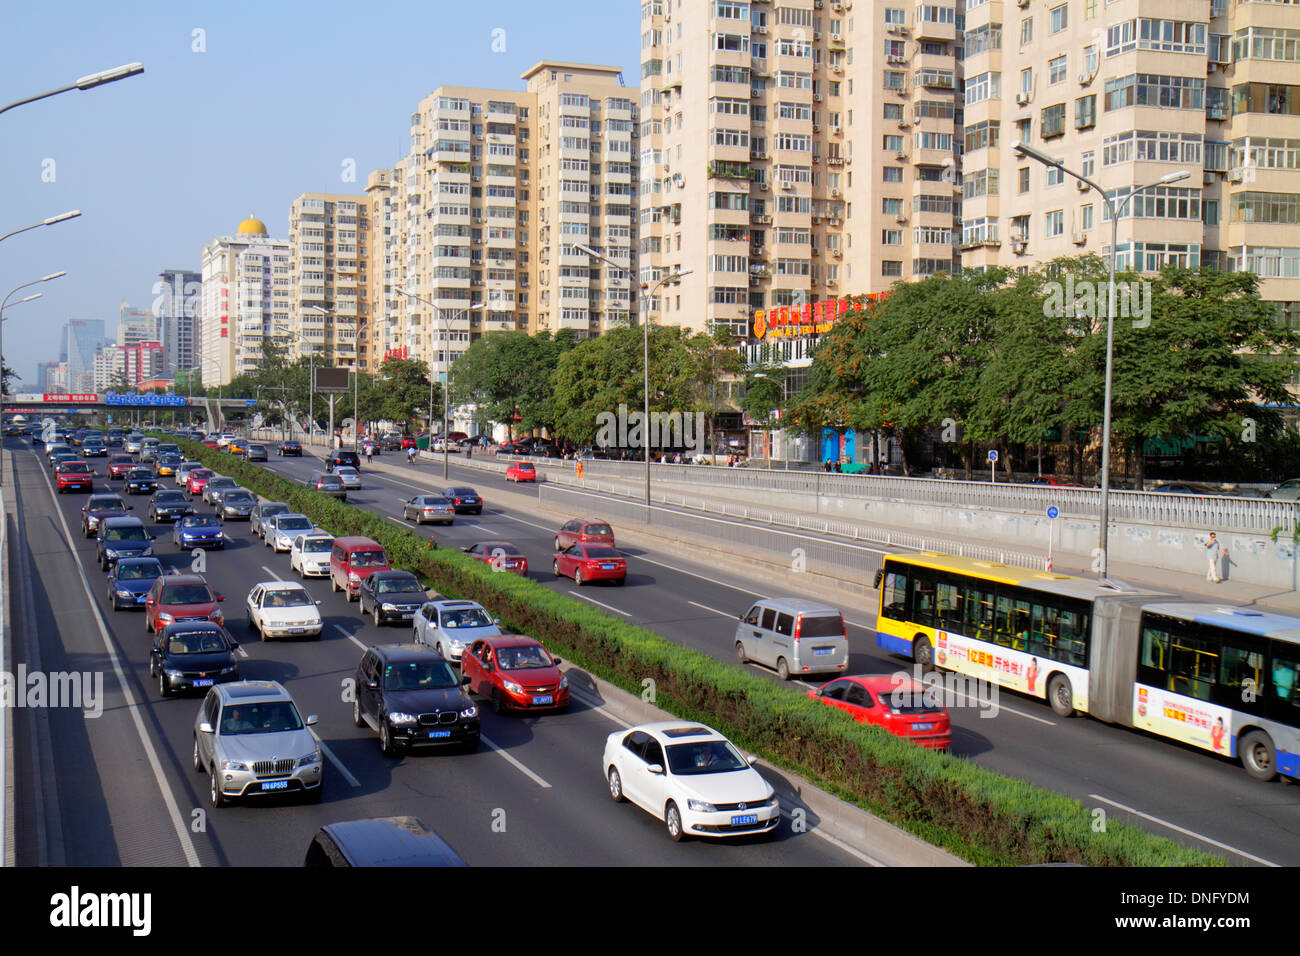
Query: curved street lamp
5, 302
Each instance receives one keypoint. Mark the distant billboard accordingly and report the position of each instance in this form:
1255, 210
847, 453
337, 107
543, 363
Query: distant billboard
332, 380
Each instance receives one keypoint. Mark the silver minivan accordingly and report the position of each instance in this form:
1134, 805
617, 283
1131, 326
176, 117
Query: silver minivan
148, 449
794, 636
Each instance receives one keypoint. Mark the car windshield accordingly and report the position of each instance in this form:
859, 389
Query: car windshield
139, 473
369, 559
397, 583
269, 717
466, 617
75, 467
200, 473
198, 521
238, 498
105, 504
419, 675
121, 460
598, 529
329, 481
170, 498
270, 511
132, 571
287, 597
602, 553
705, 756
523, 657
317, 545
125, 534
185, 594
196, 642
293, 523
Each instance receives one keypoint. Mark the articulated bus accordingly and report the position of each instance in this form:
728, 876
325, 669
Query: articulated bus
1221, 678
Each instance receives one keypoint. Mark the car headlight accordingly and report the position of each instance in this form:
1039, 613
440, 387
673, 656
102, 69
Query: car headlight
772, 801
215, 615
470, 711
400, 718
148, 549
110, 553
389, 607
164, 616
233, 765
172, 672
513, 687
700, 806
126, 594
231, 669
313, 757
354, 578
564, 682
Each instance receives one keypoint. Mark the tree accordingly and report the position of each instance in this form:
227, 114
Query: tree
6, 376
508, 374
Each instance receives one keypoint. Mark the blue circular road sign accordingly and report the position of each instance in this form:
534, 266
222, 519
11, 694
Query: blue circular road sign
1052, 512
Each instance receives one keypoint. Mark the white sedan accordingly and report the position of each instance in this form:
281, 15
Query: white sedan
283, 609
309, 554
451, 626
280, 530
692, 778
350, 477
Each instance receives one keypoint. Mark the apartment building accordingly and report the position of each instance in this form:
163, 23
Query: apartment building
116, 365
329, 245
1125, 93
377, 287
178, 293
482, 214
245, 299
794, 152
135, 326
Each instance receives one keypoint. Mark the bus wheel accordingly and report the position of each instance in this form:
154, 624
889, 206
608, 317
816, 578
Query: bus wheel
1061, 695
923, 653
1258, 756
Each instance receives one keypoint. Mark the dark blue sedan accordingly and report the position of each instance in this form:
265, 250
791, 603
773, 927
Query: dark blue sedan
141, 481
198, 531
130, 579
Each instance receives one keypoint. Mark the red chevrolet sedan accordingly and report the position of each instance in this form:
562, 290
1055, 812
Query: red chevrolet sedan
197, 480
897, 703
590, 562
584, 531
515, 673
521, 471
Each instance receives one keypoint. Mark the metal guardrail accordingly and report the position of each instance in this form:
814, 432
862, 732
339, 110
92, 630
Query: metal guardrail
784, 530
1222, 513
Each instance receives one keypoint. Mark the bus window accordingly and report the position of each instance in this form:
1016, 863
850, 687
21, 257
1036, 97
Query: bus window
1004, 631
893, 596
1282, 683
1237, 667
923, 597
1193, 667
979, 614
1155, 652
949, 597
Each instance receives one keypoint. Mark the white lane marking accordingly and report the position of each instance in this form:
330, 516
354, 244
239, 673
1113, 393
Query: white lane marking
516, 764
713, 609
274, 576
591, 703
351, 637
403, 523
598, 603
239, 649
338, 764
702, 577
173, 810
1191, 833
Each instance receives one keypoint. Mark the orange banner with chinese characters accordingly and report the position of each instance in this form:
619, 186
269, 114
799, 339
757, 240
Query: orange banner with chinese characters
811, 318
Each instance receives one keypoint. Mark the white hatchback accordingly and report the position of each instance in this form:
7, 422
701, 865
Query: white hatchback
690, 777
309, 555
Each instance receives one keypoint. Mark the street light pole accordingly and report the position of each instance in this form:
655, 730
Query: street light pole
85, 83
1114, 211
3, 303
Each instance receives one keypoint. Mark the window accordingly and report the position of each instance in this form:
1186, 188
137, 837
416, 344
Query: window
1055, 222
891, 267
1024, 179
1056, 69
982, 39
1058, 18
1168, 36
982, 135
1055, 176
983, 86
892, 174
1085, 111
891, 237
1088, 163
1053, 121
1168, 92
1026, 31
1085, 216
975, 231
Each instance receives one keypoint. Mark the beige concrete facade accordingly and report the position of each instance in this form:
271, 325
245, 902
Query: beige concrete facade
329, 239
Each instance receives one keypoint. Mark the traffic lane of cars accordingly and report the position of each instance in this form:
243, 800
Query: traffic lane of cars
557, 822
1020, 738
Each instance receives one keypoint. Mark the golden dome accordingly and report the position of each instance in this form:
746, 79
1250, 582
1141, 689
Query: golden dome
252, 227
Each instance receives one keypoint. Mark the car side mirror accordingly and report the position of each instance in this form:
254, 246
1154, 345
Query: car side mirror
751, 760
221, 597
312, 720
205, 728
148, 600
319, 602
557, 660
656, 768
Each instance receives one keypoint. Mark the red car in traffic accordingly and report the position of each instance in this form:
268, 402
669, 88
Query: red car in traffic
521, 471
897, 703
181, 597
500, 554
584, 531
590, 562
515, 673
197, 481
119, 465
74, 476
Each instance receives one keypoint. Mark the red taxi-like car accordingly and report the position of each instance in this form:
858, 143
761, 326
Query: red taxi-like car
515, 673
897, 703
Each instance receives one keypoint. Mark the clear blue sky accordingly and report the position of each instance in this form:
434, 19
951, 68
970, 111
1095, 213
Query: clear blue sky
285, 92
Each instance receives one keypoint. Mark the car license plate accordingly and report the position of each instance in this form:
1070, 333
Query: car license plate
439, 733
607, 567
297, 630
823, 651
203, 682
923, 726
742, 819
275, 785
544, 699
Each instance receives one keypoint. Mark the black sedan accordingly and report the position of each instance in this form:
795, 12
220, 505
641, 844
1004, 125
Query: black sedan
169, 506
392, 596
465, 500
141, 481
97, 509
292, 448
192, 655
412, 697
237, 504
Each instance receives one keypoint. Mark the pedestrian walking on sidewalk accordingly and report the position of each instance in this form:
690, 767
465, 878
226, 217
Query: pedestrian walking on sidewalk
1215, 553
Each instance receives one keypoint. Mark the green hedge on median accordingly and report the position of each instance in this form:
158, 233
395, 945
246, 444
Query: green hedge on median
979, 815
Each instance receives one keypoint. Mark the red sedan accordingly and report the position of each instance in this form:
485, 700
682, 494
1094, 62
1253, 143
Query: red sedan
515, 673
197, 480
584, 531
521, 471
74, 476
119, 465
209, 443
590, 562
502, 555
407, 442
181, 597
897, 703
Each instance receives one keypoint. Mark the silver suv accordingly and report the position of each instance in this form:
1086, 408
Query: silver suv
251, 741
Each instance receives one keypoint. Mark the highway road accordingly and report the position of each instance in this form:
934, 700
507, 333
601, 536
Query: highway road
1173, 791
120, 789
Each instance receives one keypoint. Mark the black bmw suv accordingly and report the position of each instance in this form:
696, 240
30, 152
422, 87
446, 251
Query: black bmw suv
413, 698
